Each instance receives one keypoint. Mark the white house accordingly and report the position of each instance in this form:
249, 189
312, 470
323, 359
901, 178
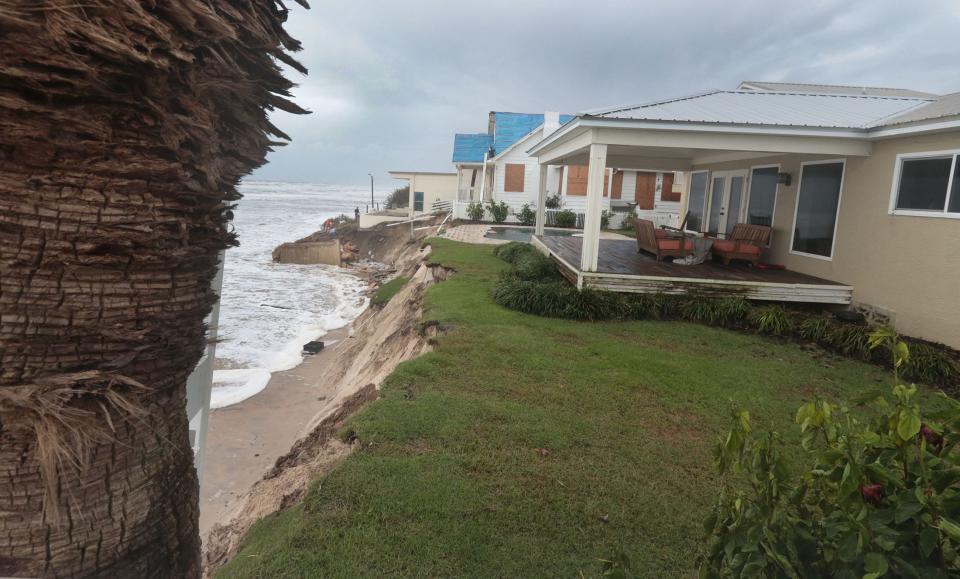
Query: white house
496, 166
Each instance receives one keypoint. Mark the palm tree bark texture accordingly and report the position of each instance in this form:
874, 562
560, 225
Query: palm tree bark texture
125, 127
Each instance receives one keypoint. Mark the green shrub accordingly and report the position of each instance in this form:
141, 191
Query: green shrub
604, 219
475, 211
399, 197
628, 222
815, 329
699, 309
565, 218
527, 215
554, 201
873, 499
498, 211
642, 306
931, 366
850, 340
732, 311
510, 252
558, 299
533, 265
771, 320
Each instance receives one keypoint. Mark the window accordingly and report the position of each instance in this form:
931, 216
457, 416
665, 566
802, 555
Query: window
666, 192
513, 178
698, 198
818, 202
927, 184
418, 201
763, 196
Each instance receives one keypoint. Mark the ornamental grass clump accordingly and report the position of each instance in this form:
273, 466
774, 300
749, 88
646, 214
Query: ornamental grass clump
875, 498
511, 251
771, 320
815, 329
931, 366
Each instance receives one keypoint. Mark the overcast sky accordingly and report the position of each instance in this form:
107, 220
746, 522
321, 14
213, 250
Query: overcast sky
391, 81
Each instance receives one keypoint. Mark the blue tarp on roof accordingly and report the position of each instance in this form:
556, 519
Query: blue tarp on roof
510, 128
470, 148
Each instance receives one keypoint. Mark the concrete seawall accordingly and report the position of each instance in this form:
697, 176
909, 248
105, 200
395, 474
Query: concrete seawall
309, 253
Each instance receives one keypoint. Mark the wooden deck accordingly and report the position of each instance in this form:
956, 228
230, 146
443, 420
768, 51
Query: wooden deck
621, 268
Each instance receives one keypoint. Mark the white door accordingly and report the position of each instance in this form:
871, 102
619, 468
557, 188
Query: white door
726, 200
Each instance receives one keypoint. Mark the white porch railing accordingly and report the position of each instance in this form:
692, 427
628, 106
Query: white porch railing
442, 206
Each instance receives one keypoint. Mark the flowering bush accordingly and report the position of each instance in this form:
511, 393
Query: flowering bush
879, 497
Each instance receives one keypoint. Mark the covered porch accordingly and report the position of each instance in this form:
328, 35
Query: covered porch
621, 268
695, 149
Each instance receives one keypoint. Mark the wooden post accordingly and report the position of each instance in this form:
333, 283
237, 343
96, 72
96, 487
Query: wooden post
591, 226
542, 201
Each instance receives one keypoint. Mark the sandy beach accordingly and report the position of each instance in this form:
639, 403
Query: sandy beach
244, 440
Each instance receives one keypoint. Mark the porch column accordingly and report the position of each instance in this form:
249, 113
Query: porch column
542, 201
591, 225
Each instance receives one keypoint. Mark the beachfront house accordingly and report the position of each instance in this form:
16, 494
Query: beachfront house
430, 192
856, 191
496, 166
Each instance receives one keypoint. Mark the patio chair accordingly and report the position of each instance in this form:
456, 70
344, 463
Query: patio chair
661, 247
668, 231
744, 242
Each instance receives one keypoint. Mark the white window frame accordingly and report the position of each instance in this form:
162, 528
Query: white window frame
706, 197
895, 186
836, 221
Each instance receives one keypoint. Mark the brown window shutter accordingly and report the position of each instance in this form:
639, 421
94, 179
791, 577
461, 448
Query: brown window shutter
513, 178
646, 190
577, 180
617, 185
667, 193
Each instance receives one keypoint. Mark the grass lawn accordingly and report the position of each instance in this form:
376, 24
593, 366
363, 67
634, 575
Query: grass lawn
388, 290
529, 447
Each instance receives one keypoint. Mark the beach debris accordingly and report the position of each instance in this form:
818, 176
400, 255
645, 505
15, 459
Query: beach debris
313, 347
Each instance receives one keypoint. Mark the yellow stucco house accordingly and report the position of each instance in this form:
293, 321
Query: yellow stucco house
860, 186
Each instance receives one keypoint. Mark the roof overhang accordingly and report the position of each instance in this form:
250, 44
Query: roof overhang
697, 142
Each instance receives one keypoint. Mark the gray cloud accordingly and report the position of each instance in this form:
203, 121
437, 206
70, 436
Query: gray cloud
390, 82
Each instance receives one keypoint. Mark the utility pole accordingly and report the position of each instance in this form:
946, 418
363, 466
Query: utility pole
371, 189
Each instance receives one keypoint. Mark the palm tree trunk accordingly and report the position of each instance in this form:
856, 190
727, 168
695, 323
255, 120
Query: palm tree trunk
124, 128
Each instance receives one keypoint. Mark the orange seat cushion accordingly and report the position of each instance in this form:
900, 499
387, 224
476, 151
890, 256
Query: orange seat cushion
664, 243
661, 233
723, 246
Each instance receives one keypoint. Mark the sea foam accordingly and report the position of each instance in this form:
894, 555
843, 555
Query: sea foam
269, 310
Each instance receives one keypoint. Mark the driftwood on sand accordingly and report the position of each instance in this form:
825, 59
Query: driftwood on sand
124, 128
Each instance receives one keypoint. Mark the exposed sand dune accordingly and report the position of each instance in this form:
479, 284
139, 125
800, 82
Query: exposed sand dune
380, 340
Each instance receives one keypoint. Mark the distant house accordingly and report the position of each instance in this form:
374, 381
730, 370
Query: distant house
496, 166
859, 184
428, 190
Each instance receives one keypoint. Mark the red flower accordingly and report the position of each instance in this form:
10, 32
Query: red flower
930, 435
872, 494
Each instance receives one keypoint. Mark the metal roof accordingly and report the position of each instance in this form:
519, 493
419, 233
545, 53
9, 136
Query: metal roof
470, 148
947, 105
799, 87
749, 107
